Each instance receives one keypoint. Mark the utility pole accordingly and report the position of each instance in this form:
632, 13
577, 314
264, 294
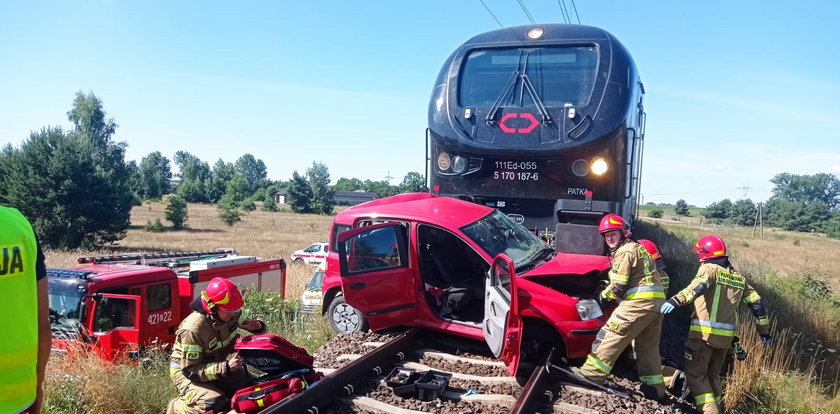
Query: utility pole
746, 187
759, 221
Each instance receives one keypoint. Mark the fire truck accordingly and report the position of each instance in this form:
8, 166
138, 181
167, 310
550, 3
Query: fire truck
126, 304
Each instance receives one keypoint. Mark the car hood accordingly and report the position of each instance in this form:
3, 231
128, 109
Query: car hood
570, 263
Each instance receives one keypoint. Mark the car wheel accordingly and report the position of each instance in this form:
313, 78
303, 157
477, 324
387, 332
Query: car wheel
345, 318
298, 260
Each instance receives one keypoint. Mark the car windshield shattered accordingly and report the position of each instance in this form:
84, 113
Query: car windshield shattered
497, 233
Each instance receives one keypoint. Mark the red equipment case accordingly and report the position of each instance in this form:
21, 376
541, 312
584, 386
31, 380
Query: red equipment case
287, 368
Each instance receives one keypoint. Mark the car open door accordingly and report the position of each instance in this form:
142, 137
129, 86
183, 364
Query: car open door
375, 275
502, 323
116, 324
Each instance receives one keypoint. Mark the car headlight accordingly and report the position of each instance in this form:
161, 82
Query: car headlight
588, 309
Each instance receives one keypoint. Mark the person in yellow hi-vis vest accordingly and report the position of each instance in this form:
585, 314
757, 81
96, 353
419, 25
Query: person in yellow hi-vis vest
199, 366
25, 321
636, 285
716, 292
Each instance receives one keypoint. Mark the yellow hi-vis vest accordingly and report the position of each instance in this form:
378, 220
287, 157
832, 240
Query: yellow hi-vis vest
19, 316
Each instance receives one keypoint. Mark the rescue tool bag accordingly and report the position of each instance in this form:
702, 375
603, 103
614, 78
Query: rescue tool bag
257, 397
273, 355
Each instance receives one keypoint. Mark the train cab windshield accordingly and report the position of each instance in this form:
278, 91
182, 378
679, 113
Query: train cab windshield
497, 233
560, 75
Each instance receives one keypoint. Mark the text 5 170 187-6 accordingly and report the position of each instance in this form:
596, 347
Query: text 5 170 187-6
513, 176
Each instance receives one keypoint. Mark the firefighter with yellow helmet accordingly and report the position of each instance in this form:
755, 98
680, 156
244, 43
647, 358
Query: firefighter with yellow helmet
199, 366
716, 291
636, 285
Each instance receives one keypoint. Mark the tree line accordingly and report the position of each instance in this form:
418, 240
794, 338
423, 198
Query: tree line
77, 189
806, 203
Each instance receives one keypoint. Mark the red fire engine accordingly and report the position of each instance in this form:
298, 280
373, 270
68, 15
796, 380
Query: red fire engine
124, 304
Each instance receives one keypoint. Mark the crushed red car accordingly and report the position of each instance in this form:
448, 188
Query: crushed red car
449, 265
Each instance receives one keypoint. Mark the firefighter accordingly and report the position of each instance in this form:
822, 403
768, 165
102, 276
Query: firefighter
25, 347
635, 284
716, 292
658, 261
199, 366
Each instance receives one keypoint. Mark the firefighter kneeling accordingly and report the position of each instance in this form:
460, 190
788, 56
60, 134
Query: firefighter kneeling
636, 284
205, 379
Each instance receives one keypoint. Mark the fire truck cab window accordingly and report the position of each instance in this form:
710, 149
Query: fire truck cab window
113, 313
159, 297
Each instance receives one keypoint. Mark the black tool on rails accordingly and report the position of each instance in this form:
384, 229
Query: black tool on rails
554, 368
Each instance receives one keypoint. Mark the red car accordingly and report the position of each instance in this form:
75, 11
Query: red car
449, 265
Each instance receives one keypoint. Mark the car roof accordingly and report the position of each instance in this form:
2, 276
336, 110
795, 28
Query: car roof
425, 207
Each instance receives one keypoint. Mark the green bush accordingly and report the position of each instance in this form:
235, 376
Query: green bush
156, 227
656, 213
176, 211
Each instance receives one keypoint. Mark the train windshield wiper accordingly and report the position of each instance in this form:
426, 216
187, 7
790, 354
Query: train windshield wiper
546, 118
491, 114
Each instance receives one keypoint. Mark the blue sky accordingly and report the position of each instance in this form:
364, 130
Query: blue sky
737, 91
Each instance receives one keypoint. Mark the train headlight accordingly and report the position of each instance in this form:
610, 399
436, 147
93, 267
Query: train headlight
443, 161
459, 164
598, 166
580, 168
536, 33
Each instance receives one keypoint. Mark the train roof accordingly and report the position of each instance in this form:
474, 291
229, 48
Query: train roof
425, 207
552, 32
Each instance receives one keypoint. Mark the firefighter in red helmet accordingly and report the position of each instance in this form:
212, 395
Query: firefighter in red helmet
636, 285
199, 366
716, 291
653, 251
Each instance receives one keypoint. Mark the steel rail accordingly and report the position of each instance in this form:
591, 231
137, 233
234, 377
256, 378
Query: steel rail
343, 381
534, 389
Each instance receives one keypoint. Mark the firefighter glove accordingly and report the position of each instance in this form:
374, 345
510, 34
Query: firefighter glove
766, 339
668, 306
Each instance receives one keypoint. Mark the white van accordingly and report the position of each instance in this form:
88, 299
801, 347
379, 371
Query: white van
310, 300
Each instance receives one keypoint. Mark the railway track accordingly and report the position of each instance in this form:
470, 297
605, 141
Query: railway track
356, 367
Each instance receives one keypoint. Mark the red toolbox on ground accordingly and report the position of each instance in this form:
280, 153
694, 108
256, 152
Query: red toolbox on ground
287, 368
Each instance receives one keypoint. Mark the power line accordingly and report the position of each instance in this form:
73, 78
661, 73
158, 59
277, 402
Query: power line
491, 13
521, 4
563, 11
576, 12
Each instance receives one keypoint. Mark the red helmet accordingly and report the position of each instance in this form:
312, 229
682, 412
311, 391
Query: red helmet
710, 246
222, 294
651, 249
613, 222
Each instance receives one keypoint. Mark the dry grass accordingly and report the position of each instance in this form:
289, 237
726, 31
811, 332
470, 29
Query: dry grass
263, 234
800, 371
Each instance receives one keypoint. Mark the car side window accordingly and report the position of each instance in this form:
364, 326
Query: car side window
373, 250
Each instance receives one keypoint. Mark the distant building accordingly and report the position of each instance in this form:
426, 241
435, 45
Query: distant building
340, 198
280, 196
351, 198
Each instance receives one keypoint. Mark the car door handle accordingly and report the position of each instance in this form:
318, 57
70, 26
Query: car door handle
357, 285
